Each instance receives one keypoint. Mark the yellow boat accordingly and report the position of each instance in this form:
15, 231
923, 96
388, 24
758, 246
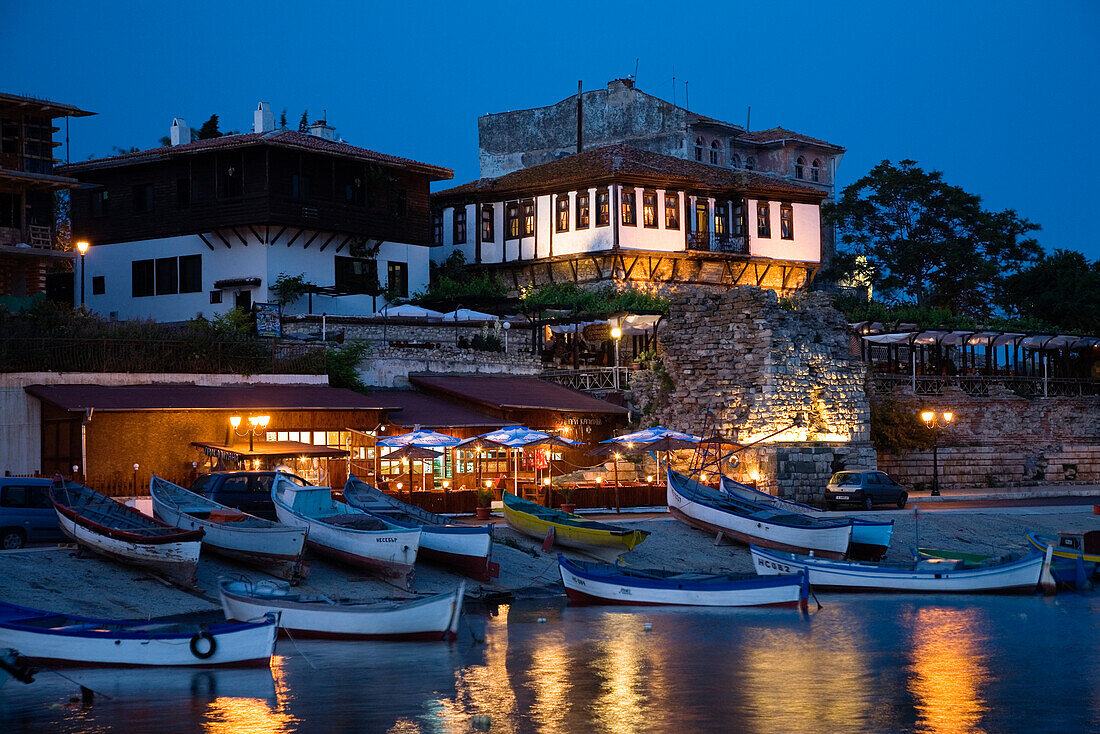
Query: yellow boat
572, 531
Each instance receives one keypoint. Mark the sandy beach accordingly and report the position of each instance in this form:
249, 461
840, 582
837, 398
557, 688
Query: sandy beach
63, 580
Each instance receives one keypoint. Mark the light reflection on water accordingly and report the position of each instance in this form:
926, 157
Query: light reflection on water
862, 663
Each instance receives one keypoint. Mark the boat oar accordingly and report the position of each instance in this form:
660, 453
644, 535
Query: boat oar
548, 541
916, 528
1046, 579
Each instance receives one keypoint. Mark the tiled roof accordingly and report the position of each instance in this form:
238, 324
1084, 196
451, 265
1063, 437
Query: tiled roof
503, 392
621, 160
289, 139
42, 107
408, 409
777, 134
200, 397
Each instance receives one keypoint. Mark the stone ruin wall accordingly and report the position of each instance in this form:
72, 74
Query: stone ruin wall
755, 366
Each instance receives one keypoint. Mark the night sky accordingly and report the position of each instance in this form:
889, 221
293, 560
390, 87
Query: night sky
1003, 97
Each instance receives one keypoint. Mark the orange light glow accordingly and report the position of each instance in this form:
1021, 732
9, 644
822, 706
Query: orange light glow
928, 416
948, 416
235, 421
947, 670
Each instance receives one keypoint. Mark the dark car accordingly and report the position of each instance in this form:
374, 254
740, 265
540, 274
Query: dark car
248, 491
864, 487
26, 513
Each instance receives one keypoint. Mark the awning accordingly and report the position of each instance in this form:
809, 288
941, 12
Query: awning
984, 338
268, 449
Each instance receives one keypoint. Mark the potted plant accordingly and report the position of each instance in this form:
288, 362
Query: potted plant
484, 504
567, 495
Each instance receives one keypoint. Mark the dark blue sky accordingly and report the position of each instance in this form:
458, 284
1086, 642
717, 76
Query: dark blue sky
1003, 97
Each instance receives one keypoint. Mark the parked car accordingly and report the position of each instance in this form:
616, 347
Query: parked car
864, 487
248, 491
26, 513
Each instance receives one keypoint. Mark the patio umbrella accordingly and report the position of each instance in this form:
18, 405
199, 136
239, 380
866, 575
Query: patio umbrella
421, 439
479, 444
657, 439
412, 453
520, 437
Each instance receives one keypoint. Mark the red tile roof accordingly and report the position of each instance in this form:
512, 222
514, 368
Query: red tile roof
496, 391
409, 409
778, 134
288, 139
198, 397
621, 161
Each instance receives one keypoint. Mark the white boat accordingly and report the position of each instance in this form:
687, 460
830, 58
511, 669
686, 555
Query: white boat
116, 531
342, 532
870, 538
432, 618
930, 575
708, 509
269, 546
601, 583
466, 548
50, 636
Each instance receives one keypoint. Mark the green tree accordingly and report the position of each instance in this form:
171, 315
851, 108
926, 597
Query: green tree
916, 238
209, 129
303, 124
1061, 289
289, 288
282, 119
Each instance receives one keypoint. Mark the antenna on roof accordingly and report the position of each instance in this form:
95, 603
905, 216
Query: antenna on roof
687, 97
634, 76
674, 85
748, 116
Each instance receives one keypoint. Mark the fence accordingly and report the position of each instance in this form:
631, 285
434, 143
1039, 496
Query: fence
985, 385
591, 379
134, 355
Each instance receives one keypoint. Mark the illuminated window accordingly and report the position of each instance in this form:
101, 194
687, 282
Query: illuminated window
582, 210
672, 210
487, 233
786, 221
649, 209
715, 153
528, 218
512, 217
721, 218
628, 208
815, 171
800, 167
702, 215
460, 225
603, 208
563, 213
699, 149
763, 220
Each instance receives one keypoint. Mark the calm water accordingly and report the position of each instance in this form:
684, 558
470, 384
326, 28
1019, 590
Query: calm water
862, 663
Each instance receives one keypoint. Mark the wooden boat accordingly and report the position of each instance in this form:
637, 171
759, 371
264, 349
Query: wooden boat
599, 583
431, 618
1076, 555
936, 575
466, 548
65, 638
709, 509
342, 532
269, 546
14, 665
112, 529
870, 538
572, 531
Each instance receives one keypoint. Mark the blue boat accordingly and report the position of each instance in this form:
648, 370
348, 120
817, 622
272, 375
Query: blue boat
587, 582
1075, 558
870, 538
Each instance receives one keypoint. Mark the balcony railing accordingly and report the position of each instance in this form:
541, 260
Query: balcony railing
985, 385
591, 379
35, 236
715, 242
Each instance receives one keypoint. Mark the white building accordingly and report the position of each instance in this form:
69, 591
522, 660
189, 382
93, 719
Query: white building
202, 227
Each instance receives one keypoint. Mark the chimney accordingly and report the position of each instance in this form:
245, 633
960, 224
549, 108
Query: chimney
263, 119
321, 129
180, 132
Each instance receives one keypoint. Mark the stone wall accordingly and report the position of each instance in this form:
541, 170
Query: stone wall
755, 366
391, 366
377, 331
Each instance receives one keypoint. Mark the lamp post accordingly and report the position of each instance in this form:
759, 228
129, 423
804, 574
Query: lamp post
616, 334
82, 248
936, 422
257, 424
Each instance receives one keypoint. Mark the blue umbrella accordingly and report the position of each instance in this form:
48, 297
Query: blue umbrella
419, 438
658, 438
518, 437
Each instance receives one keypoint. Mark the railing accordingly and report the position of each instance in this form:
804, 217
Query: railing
133, 355
986, 385
35, 236
591, 379
715, 242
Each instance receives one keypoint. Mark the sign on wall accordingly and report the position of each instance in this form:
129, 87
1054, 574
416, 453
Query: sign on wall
269, 320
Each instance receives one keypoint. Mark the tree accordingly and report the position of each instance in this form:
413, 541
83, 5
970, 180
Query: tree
917, 238
282, 119
1062, 289
303, 124
209, 129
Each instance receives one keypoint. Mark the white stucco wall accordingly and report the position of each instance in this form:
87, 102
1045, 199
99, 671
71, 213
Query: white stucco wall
640, 237
806, 245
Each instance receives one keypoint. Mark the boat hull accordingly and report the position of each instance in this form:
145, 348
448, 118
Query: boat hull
176, 561
1016, 576
602, 542
469, 554
586, 589
434, 618
279, 551
1068, 566
830, 542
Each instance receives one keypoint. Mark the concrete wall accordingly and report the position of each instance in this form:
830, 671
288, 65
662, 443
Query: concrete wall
21, 414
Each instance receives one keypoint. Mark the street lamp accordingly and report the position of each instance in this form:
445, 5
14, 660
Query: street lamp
82, 247
257, 424
616, 334
936, 422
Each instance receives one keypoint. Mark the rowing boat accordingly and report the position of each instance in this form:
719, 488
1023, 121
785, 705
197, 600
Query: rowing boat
466, 548
305, 615
112, 529
870, 538
1076, 555
269, 546
67, 638
569, 530
600, 583
934, 575
717, 512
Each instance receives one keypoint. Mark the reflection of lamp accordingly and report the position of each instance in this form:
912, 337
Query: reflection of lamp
936, 423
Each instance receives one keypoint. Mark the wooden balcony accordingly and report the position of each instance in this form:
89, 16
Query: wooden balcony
715, 242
